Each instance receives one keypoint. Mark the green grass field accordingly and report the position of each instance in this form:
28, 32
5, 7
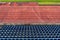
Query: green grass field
39, 1
29, 0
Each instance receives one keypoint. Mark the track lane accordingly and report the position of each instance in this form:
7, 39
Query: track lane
29, 14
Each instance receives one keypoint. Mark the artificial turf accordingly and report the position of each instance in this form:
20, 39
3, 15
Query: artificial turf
39, 1
29, 0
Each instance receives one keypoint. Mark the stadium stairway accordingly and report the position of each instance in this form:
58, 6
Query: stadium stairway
29, 32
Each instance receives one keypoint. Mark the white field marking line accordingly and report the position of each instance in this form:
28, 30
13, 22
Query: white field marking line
36, 13
28, 6
19, 6
30, 24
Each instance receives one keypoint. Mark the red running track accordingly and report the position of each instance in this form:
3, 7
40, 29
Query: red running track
29, 14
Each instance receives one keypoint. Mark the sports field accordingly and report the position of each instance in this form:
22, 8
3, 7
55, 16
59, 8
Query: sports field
30, 0
38, 1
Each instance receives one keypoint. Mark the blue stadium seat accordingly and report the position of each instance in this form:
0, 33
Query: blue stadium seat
30, 32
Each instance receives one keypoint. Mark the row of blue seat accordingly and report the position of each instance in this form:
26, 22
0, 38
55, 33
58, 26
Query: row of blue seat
29, 38
29, 31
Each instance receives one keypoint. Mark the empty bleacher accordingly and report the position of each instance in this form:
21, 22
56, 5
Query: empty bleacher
29, 32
